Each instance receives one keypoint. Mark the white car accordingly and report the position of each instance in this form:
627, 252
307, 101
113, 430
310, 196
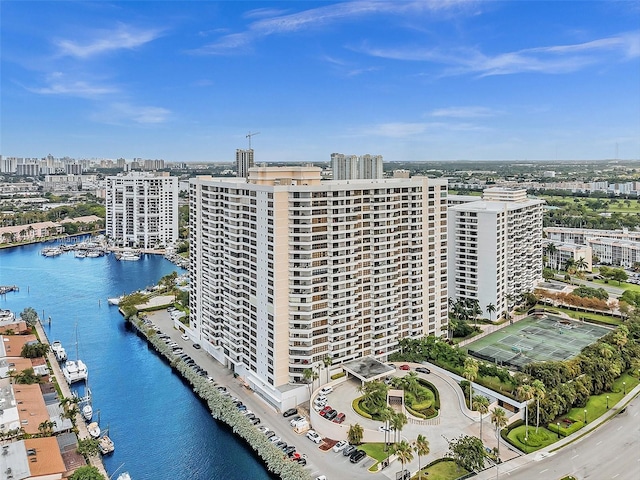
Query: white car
320, 398
383, 428
295, 423
275, 439
319, 406
321, 477
326, 390
184, 336
314, 437
340, 445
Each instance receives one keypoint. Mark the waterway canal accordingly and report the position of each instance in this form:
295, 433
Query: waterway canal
160, 429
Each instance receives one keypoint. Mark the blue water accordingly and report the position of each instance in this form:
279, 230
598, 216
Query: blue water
160, 429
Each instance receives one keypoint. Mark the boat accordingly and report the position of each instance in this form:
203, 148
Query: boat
87, 412
124, 476
115, 300
128, 255
106, 446
80, 254
58, 351
51, 251
94, 429
94, 254
75, 371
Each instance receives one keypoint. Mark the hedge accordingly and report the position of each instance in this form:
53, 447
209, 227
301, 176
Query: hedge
436, 394
565, 431
414, 413
356, 406
338, 375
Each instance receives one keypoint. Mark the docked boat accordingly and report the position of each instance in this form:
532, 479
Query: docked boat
94, 254
124, 476
75, 371
106, 446
87, 412
80, 254
128, 255
94, 429
115, 300
51, 251
58, 351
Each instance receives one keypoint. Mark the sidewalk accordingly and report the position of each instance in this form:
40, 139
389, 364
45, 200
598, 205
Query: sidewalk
518, 462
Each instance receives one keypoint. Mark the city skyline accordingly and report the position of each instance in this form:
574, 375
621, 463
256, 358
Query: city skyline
412, 81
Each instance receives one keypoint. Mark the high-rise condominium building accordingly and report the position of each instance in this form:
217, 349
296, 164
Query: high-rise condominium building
142, 209
287, 270
495, 248
244, 161
351, 167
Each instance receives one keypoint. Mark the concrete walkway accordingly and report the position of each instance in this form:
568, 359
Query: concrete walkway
83, 433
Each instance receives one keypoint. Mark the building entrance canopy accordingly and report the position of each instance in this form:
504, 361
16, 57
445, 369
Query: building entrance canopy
367, 369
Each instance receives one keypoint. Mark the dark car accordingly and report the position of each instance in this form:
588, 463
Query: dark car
301, 460
281, 445
331, 414
423, 370
339, 418
348, 450
255, 421
291, 411
358, 455
196, 346
289, 450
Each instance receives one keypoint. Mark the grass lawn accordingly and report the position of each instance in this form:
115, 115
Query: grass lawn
624, 286
597, 404
375, 450
588, 315
447, 470
536, 441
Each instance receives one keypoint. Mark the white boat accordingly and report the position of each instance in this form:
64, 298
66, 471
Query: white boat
75, 371
58, 351
51, 251
115, 300
128, 255
93, 254
94, 429
80, 254
124, 476
106, 446
87, 412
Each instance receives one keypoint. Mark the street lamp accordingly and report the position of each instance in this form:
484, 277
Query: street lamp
607, 402
624, 386
558, 425
585, 416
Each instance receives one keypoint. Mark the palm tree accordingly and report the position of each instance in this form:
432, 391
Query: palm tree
525, 392
398, 421
491, 309
327, 363
310, 376
385, 416
354, 435
481, 405
470, 372
421, 447
581, 264
499, 419
539, 393
403, 452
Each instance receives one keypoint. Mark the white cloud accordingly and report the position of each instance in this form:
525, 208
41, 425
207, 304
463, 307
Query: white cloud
413, 129
464, 112
123, 37
125, 113
59, 84
551, 59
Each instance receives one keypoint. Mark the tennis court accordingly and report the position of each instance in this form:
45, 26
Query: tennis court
536, 339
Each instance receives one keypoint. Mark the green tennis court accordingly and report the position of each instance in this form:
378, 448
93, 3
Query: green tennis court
536, 339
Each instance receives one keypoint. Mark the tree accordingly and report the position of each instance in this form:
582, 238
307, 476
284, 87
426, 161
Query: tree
581, 264
499, 419
525, 393
46, 428
354, 435
327, 364
470, 372
539, 393
421, 447
491, 309
398, 421
548, 274
88, 447
481, 405
88, 472
34, 350
403, 452
468, 452
619, 275
385, 415
26, 377
30, 316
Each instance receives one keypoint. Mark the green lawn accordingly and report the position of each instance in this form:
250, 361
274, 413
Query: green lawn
375, 450
535, 441
447, 470
588, 315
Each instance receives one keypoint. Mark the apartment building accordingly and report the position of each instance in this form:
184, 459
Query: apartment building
558, 253
580, 235
611, 251
142, 209
495, 247
287, 270
351, 167
244, 161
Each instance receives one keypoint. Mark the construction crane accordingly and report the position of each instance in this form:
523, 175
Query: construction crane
249, 135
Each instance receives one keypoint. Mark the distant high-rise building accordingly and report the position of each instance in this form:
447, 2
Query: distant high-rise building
495, 248
244, 161
287, 270
142, 209
352, 167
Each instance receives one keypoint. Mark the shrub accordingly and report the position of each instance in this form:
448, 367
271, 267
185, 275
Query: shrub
338, 375
356, 406
414, 413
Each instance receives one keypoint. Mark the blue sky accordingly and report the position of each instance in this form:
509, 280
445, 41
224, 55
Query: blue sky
409, 80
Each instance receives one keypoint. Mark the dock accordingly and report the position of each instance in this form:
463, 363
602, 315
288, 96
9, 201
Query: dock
8, 288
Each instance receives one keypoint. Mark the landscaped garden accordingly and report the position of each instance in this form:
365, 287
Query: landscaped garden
442, 469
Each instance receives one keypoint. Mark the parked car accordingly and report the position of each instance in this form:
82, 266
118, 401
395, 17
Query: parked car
331, 414
184, 336
324, 411
196, 346
301, 460
319, 406
423, 370
340, 445
281, 445
289, 450
384, 428
348, 450
263, 429
326, 390
275, 439
288, 413
314, 437
321, 398
295, 420
255, 421
358, 455
405, 367
339, 418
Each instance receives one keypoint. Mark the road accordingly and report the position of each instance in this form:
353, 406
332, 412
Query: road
612, 451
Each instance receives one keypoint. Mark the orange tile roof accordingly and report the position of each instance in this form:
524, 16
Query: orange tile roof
47, 459
13, 343
17, 327
31, 407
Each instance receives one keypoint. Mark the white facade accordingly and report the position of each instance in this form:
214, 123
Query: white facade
287, 270
352, 167
558, 255
580, 235
495, 248
244, 161
619, 253
142, 209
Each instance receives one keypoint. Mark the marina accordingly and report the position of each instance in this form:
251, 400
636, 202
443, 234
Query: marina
166, 433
